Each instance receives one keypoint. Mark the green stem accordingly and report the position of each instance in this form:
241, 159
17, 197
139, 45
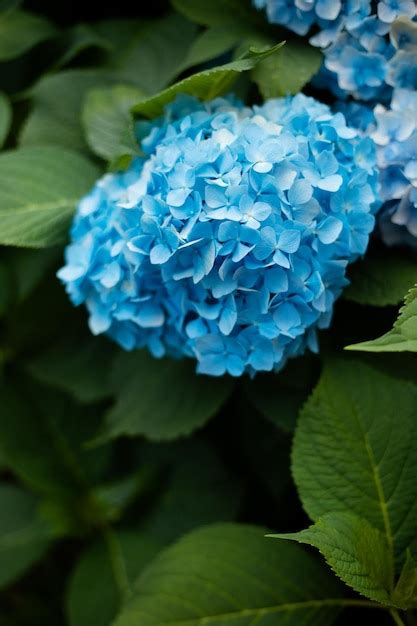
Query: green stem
117, 561
396, 617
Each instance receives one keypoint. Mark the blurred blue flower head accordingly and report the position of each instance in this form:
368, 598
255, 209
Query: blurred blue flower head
369, 47
229, 242
395, 133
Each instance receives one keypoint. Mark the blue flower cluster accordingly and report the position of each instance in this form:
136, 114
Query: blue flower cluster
394, 130
396, 137
300, 15
229, 242
369, 48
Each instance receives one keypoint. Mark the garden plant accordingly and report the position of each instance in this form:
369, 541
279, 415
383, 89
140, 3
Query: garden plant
208, 313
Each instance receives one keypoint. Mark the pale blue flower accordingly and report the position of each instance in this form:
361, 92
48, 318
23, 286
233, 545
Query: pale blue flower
396, 136
229, 241
390, 10
369, 47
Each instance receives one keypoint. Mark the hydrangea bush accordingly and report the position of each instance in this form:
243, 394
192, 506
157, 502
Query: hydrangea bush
204, 206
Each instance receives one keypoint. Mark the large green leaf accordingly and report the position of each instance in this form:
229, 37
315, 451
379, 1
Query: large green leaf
161, 399
381, 280
211, 43
6, 289
41, 439
287, 72
198, 490
403, 336
57, 102
230, 574
20, 31
28, 267
356, 552
108, 122
77, 40
355, 447
5, 117
39, 312
271, 468
405, 592
207, 84
276, 401
115, 496
93, 595
218, 12
24, 535
9, 5
279, 397
78, 364
39, 192
149, 55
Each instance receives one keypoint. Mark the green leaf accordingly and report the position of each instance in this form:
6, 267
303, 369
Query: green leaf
272, 467
161, 398
287, 72
108, 122
40, 190
115, 496
77, 40
405, 592
28, 267
357, 553
379, 281
205, 85
93, 596
24, 535
225, 13
211, 43
57, 102
198, 491
354, 450
6, 290
20, 31
149, 55
279, 397
41, 439
230, 574
9, 5
37, 318
78, 365
5, 118
277, 402
402, 337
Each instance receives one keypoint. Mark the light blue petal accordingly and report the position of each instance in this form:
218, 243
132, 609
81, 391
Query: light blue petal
286, 317
289, 241
149, 316
300, 192
329, 230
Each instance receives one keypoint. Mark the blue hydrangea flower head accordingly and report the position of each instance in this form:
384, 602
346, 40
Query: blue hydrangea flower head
369, 47
395, 134
357, 114
228, 242
300, 15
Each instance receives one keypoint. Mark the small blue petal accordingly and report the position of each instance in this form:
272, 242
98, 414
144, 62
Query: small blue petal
289, 241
